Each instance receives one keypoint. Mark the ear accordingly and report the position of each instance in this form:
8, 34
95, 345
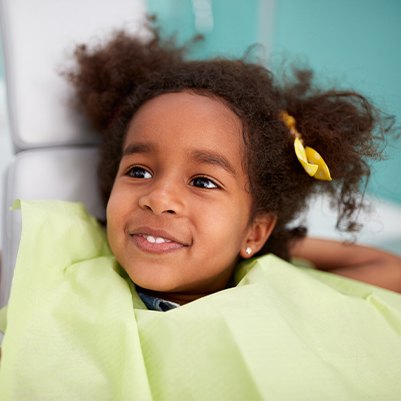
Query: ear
258, 233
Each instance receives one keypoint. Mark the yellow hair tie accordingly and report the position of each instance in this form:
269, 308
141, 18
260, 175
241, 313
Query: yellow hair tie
310, 159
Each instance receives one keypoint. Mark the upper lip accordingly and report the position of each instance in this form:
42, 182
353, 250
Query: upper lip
158, 233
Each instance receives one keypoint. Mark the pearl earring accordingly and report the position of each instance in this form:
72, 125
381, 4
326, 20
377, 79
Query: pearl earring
248, 251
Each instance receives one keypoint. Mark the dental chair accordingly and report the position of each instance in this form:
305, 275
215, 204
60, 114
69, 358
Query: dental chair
55, 150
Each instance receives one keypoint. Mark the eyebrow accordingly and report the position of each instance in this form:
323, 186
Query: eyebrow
201, 156
213, 158
134, 148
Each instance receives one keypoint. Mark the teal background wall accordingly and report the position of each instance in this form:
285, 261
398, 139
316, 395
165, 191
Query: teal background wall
357, 43
229, 27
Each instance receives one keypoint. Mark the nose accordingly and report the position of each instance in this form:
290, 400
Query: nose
162, 198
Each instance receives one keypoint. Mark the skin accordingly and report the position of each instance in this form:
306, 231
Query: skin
358, 262
181, 179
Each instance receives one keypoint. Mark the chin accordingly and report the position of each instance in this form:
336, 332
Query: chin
154, 283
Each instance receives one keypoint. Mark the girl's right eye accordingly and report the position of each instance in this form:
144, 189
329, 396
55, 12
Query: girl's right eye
139, 172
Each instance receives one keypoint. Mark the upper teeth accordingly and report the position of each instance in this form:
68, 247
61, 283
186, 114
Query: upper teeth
156, 240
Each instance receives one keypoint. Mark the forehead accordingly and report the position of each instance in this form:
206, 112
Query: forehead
189, 120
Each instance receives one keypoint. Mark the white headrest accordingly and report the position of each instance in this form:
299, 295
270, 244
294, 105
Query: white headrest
64, 173
39, 37
38, 40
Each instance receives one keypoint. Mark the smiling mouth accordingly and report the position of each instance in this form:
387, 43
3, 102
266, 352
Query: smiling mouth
156, 240
155, 243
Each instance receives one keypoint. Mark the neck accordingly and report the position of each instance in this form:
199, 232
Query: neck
179, 298
184, 297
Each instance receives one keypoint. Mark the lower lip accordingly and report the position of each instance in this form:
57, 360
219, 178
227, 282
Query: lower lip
144, 245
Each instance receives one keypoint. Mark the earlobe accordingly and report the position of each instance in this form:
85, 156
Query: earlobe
258, 233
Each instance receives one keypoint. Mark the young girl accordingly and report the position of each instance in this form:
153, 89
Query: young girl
203, 165
114, 81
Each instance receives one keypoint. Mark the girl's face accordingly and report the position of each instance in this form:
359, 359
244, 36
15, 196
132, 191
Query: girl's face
179, 214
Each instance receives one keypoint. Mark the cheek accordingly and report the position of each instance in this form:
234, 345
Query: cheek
114, 218
112, 214
228, 226
117, 203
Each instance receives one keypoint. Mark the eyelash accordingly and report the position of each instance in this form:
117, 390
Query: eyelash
205, 179
137, 169
134, 169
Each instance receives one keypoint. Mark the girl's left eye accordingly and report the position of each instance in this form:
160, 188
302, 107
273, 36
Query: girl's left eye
139, 172
204, 182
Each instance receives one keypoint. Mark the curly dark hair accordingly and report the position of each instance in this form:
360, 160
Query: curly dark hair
114, 79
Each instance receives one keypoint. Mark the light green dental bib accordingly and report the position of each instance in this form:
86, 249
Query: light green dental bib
76, 330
